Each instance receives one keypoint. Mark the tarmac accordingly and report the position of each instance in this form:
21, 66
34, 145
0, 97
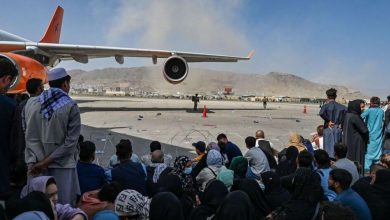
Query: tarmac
106, 120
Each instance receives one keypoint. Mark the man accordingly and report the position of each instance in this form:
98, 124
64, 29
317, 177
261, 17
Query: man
304, 160
228, 148
387, 111
265, 100
342, 162
332, 113
195, 99
129, 174
51, 123
34, 87
155, 171
373, 117
200, 148
91, 176
340, 181
146, 159
266, 147
258, 162
8, 73
322, 161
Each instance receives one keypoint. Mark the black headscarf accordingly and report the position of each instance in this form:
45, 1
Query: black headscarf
257, 197
166, 206
236, 206
212, 198
275, 194
34, 201
289, 165
377, 195
307, 186
172, 183
354, 106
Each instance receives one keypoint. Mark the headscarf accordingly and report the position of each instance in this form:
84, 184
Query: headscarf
275, 194
179, 167
214, 158
91, 204
165, 206
240, 166
33, 215
158, 170
236, 206
213, 146
106, 215
131, 203
34, 201
170, 183
295, 140
289, 165
354, 106
307, 186
53, 99
212, 198
226, 176
256, 195
36, 184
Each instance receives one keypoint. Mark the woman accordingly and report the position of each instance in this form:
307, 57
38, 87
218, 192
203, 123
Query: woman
182, 168
236, 206
34, 201
275, 194
289, 165
165, 206
305, 199
239, 165
47, 185
355, 132
296, 141
212, 198
214, 165
99, 200
256, 195
130, 204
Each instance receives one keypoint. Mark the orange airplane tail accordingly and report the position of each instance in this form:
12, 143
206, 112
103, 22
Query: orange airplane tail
53, 31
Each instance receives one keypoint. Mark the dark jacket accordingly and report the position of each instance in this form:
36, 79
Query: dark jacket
131, 176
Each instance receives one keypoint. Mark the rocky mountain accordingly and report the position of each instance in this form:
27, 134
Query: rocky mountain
207, 81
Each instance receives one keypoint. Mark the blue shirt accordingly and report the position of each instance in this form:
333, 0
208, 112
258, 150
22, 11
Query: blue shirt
324, 174
91, 176
353, 200
232, 151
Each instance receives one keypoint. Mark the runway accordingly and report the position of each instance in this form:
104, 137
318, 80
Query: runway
106, 120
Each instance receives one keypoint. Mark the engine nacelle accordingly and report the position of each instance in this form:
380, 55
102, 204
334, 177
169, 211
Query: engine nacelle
175, 69
27, 68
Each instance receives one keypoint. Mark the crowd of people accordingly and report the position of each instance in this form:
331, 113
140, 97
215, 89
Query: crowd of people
47, 169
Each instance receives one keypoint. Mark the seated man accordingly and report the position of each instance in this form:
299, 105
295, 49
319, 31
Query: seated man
258, 162
340, 153
200, 148
155, 145
340, 181
322, 161
156, 170
129, 174
91, 176
228, 149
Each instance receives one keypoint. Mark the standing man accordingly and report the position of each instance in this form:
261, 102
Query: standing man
195, 99
52, 128
8, 73
265, 100
332, 113
373, 117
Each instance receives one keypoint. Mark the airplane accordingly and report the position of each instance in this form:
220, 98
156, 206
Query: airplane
33, 59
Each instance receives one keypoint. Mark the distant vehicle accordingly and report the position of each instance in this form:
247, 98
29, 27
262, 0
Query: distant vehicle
32, 58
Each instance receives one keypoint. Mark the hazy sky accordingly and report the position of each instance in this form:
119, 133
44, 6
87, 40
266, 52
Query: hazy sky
336, 42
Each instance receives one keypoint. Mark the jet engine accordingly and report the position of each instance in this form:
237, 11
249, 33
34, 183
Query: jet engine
175, 69
27, 68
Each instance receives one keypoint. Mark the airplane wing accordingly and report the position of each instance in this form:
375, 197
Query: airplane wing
82, 53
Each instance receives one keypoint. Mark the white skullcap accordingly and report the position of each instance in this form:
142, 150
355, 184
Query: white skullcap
57, 73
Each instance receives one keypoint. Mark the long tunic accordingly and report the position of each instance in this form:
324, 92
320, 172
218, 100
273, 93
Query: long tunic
332, 112
355, 137
373, 118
